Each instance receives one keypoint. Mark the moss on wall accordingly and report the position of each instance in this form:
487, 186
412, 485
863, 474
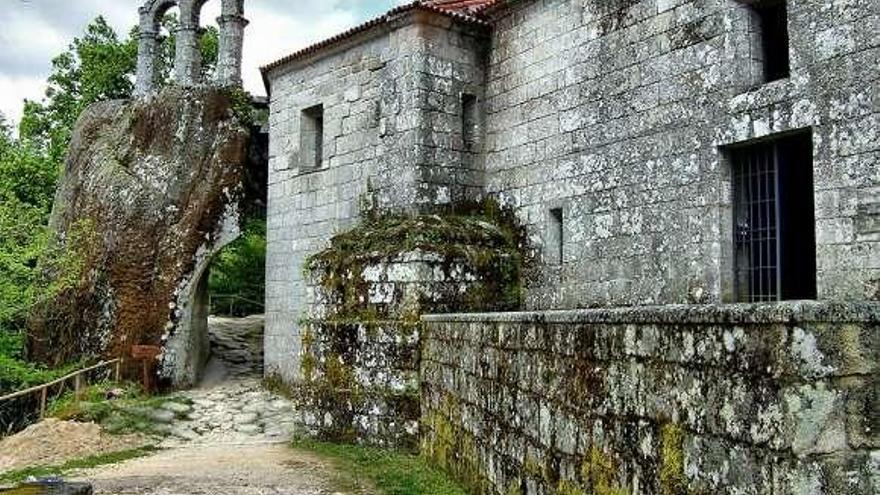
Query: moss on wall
452, 448
360, 354
672, 480
482, 238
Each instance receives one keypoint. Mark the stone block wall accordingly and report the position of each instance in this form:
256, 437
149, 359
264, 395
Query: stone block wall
391, 125
359, 377
619, 112
744, 399
360, 349
360, 382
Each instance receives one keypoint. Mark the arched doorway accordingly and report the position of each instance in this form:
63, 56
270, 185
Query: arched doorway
235, 287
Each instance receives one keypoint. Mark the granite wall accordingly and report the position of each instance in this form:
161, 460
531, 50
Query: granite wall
733, 399
392, 142
620, 113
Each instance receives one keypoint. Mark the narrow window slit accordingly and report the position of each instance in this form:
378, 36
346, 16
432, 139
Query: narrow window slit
556, 237
771, 27
469, 121
312, 139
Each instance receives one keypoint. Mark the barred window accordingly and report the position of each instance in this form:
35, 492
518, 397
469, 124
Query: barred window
774, 220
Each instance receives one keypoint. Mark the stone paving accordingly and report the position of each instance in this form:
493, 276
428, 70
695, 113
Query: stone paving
231, 437
230, 405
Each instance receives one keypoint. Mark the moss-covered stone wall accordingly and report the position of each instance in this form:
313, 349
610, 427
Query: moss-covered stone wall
360, 344
772, 399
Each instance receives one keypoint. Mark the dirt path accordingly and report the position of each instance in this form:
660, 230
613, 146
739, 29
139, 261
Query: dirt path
219, 469
234, 439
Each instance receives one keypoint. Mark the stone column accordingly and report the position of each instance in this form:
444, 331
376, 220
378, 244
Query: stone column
187, 56
231, 44
146, 63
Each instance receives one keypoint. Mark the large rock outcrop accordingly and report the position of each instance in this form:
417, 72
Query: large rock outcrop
151, 189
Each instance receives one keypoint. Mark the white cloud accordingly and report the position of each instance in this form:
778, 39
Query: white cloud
32, 32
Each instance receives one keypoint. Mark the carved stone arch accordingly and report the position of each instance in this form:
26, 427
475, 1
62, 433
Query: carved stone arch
151, 14
187, 57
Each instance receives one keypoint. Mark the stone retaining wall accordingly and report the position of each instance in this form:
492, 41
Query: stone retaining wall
360, 382
681, 399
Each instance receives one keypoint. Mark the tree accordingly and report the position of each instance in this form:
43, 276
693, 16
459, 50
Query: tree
239, 271
97, 66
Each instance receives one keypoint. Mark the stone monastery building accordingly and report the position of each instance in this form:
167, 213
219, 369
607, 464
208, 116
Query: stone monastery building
694, 243
659, 151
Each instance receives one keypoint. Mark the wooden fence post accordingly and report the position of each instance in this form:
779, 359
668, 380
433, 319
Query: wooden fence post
77, 387
43, 397
118, 373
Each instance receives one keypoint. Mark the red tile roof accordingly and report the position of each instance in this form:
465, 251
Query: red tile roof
462, 10
459, 5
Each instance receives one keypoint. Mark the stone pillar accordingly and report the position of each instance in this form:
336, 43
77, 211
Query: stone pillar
232, 24
187, 56
146, 63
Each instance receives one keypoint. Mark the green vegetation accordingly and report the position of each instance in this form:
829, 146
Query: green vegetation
393, 473
483, 238
672, 480
130, 411
97, 66
239, 272
84, 463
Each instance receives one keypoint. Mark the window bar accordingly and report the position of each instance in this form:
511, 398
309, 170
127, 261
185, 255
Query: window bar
753, 227
765, 226
778, 223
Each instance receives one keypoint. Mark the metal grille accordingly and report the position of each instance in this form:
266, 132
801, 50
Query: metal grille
756, 214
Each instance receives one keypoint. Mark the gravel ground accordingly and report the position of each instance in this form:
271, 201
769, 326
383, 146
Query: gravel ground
233, 439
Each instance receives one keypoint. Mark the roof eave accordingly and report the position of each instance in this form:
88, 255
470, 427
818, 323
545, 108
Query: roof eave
370, 25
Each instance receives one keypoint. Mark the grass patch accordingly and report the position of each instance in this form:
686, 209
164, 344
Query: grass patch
391, 472
129, 411
21, 475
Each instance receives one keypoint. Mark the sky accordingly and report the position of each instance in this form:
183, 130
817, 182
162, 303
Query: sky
32, 32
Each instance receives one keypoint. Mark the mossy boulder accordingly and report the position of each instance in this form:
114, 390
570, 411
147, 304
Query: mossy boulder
150, 189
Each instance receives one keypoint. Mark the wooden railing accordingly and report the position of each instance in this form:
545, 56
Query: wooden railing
79, 383
215, 302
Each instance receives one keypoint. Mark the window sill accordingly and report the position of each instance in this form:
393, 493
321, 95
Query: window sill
763, 95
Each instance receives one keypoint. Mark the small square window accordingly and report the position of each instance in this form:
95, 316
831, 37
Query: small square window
312, 137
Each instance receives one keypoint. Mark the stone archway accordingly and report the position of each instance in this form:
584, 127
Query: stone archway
187, 58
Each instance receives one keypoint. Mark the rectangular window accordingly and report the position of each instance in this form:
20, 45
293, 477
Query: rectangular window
312, 137
771, 17
469, 121
774, 220
555, 237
